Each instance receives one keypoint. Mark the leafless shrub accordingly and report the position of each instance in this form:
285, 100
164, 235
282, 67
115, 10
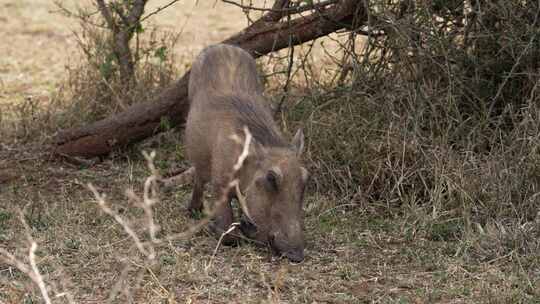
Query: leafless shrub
32, 270
122, 63
434, 119
144, 236
95, 88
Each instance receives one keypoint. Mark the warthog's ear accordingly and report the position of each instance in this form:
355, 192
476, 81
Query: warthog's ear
298, 142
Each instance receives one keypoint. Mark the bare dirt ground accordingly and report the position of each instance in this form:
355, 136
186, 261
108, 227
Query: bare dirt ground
38, 41
352, 256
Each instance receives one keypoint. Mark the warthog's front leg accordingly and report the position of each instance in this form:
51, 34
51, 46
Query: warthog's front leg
223, 218
195, 206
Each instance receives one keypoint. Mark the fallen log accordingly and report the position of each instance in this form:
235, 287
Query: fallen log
268, 34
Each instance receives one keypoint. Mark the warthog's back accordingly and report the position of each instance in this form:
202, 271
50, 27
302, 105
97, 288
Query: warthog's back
224, 69
225, 95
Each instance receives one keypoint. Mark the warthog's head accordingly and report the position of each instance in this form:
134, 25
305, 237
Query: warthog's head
272, 202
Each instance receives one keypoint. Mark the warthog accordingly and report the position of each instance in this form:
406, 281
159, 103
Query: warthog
226, 95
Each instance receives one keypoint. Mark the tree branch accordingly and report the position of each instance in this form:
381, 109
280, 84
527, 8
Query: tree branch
104, 10
146, 118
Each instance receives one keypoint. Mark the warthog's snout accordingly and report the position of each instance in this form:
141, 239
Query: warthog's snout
295, 256
279, 245
294, 253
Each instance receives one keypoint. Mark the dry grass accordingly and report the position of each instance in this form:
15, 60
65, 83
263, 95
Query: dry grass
352, 256
41, 42
58, 86
45, 77
407, 204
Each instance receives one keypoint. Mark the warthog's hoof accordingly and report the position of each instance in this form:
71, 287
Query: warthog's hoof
295, 256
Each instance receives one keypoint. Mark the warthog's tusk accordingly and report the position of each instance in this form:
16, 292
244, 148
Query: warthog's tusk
243, 203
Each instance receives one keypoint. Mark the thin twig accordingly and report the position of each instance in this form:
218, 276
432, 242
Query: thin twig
232, 227
289, 70
38, 278
106, 14
33, 271
224, 198
296, 9
159, 9
100, 200
245, 151
134, 17
516, 64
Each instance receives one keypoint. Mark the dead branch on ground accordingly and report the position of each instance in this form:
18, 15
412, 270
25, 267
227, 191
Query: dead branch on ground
268, 34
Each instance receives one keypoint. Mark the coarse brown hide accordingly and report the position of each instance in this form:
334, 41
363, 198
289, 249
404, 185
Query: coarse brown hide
226, 96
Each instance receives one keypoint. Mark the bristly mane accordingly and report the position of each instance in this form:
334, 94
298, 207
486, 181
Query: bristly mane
252, 113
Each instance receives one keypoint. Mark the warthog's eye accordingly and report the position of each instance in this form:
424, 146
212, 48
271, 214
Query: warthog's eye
272, 179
